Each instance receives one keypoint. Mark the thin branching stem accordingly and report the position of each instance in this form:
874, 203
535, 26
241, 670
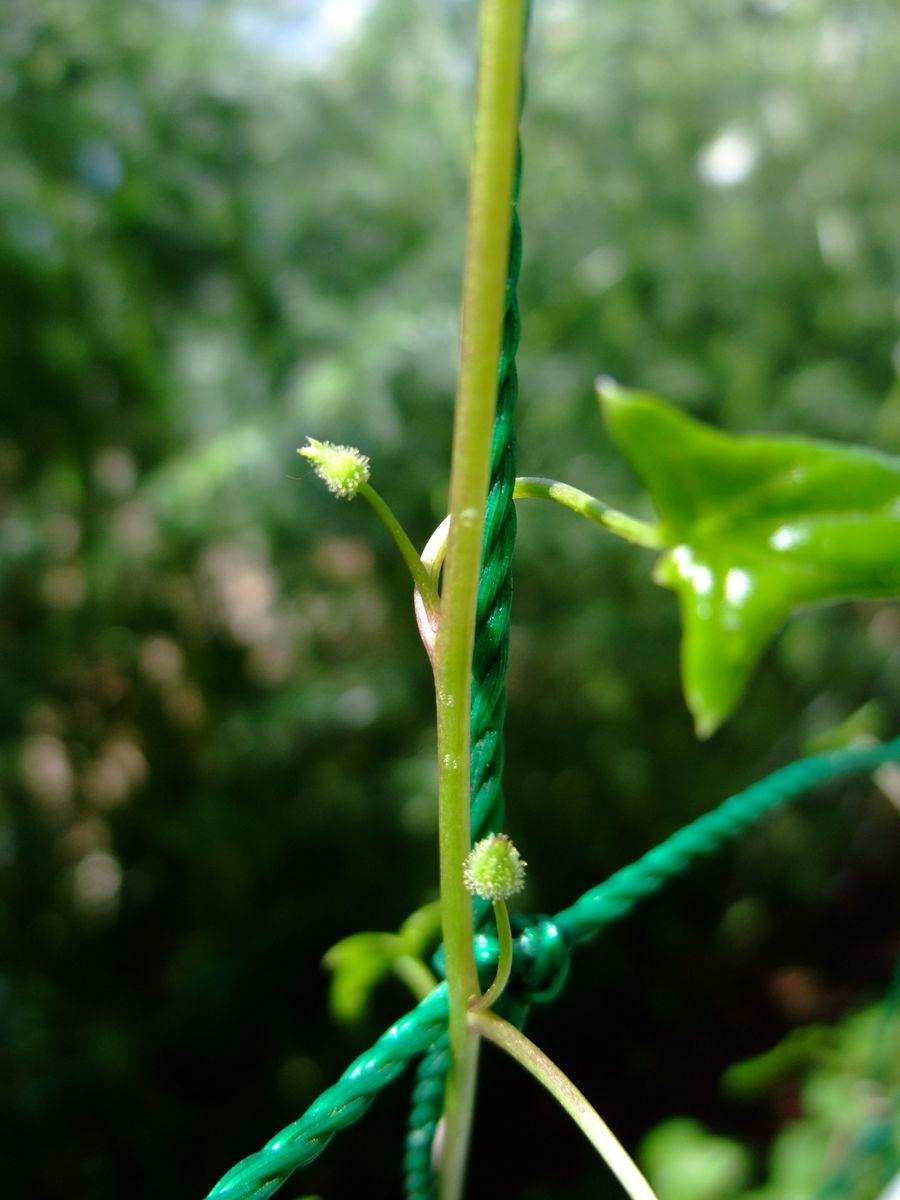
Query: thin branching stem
504, 960
415, 974
579, 1108
421, 576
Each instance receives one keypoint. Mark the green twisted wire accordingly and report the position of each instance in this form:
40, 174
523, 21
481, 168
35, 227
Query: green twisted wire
261, 1174
617, 895
424, 1115
539, 964
491, 648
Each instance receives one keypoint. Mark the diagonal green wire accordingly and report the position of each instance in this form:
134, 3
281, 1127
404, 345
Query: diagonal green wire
491, 649
261, 1174
420, 1031
617, 895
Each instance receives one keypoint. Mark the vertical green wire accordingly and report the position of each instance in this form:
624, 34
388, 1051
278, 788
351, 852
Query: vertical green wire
491, 653
489, 662
491, 650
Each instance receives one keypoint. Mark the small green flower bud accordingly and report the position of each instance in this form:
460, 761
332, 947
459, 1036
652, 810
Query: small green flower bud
494, 868
342, 468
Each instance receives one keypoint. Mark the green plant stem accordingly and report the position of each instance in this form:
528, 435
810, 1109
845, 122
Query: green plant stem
585, 1116
415, 974
640, 533
504, 960
435, 549
421, 577
484, 282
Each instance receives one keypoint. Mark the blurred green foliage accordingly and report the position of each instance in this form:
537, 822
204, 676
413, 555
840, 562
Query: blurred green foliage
843, 1140
221, 231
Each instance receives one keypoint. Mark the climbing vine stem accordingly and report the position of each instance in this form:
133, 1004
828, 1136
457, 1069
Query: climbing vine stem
582, 1112
484, 280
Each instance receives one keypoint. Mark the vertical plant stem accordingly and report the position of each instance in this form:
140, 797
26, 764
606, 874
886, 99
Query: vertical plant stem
484, 278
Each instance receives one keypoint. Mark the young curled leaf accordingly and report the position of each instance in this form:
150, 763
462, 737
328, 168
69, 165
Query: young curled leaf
754, 527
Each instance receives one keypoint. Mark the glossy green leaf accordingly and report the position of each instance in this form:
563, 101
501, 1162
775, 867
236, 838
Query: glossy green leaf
754, 528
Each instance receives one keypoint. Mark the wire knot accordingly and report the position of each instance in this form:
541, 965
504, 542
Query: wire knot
541, 958
541, 961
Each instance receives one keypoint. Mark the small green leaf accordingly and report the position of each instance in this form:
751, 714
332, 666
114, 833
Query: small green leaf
753, 1077
360, 962
754, 528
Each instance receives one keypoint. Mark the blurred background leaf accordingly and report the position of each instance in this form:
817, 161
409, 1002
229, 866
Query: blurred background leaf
843, 1139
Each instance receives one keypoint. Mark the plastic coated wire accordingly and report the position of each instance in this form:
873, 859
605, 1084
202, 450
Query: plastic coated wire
539, 965
618, 894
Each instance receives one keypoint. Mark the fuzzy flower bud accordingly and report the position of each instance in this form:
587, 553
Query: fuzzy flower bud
494, 868
341, 468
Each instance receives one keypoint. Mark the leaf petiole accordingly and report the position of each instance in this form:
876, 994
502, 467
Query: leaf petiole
639, 533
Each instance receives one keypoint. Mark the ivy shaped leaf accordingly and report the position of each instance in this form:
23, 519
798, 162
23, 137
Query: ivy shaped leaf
753, 528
